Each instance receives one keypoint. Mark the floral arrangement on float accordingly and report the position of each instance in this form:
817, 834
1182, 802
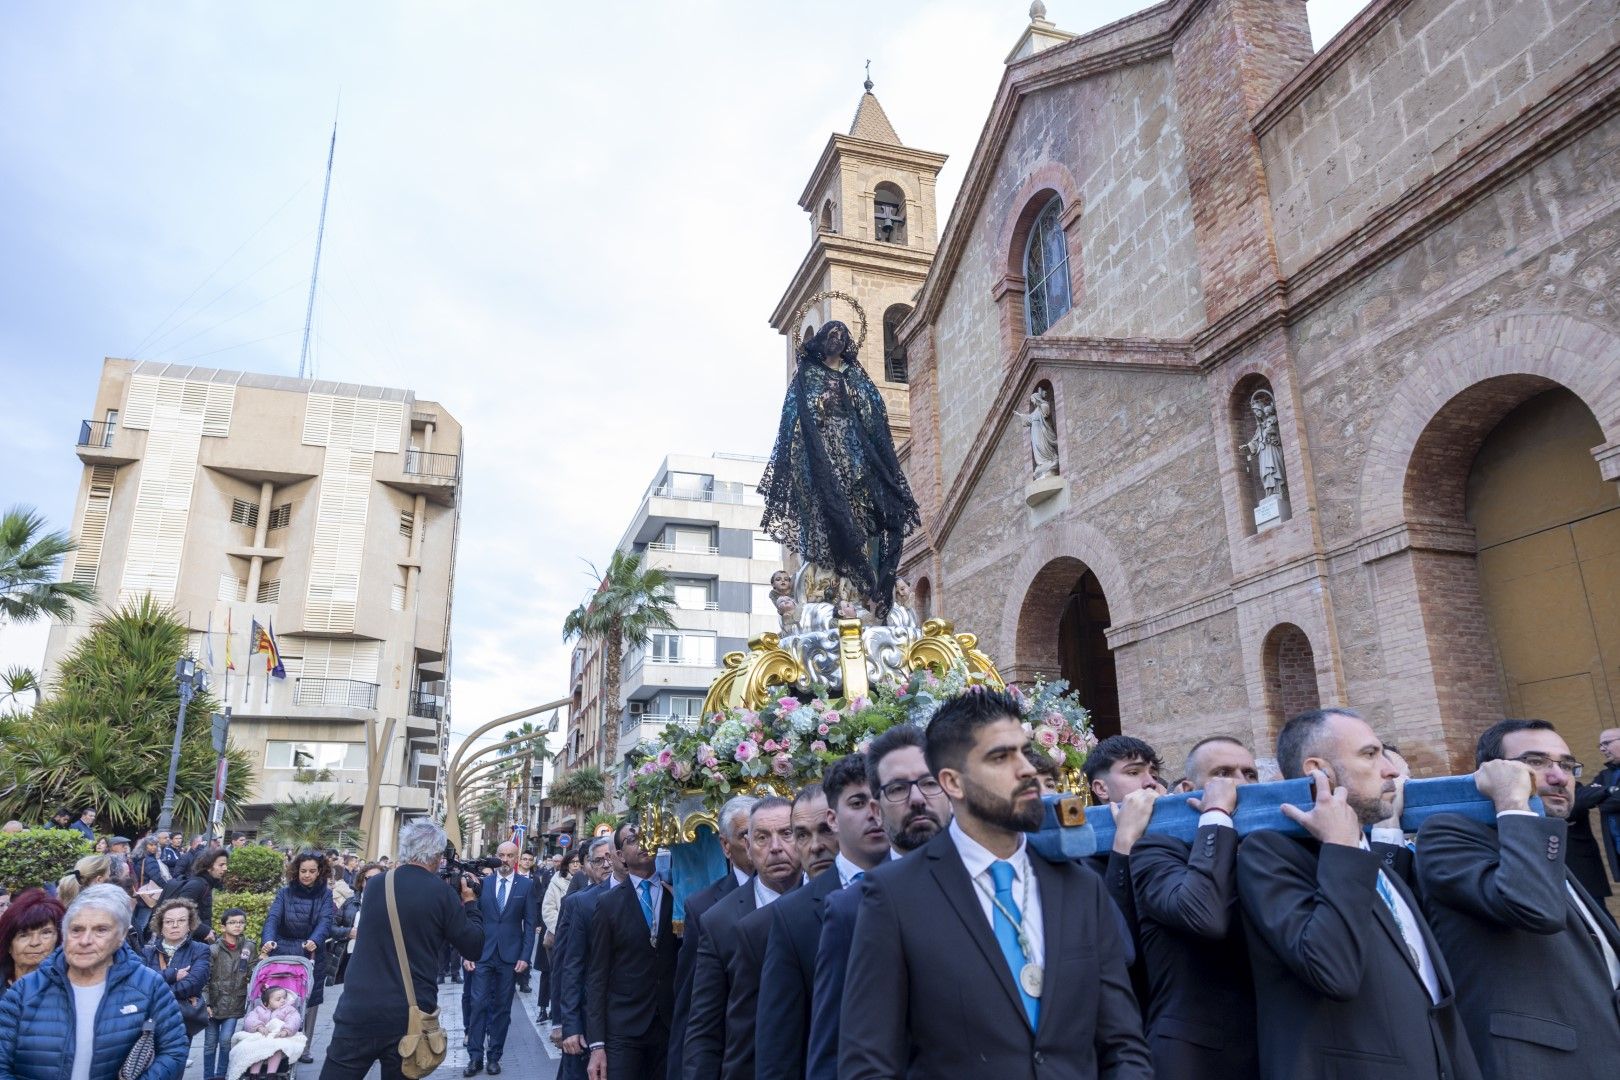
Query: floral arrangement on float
688, 773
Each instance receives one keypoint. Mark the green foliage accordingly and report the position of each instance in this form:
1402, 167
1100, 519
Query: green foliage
38, 856
312, 776
30, 565
254, 869
103, 736
581, 787
492, 811
256, 904
313, 824
17, 681
600, 817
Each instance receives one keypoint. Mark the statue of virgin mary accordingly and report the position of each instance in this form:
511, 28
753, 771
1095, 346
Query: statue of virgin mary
834, 492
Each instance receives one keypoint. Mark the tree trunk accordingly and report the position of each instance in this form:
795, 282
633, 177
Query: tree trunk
610, 711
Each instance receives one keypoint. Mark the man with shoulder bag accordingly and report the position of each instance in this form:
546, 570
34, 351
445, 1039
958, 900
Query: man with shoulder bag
407, 919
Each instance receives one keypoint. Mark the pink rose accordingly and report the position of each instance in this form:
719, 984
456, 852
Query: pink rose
787, 704
819, 747
822, 730
665, 757
859, 703
770, 746
711, 762
1091, 740
832, 716
746, 751
681, 770
705, 752
1047, 737
782, 764
1054, 718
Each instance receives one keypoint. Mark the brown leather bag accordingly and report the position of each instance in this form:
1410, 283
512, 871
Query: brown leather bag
425, 1042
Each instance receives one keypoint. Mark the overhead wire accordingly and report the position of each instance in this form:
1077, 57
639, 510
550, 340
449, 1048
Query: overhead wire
184, 322
230, 319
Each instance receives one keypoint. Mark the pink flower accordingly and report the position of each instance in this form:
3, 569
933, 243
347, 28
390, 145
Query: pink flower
746, 751
819, 747
832, 716
1054, 718
1091, 740
705, 752
770, 746
648, 768
787, 704
860, 747
859, 703
711, 762
822, 729
681, 770
782, 764
1047, 737
665, 757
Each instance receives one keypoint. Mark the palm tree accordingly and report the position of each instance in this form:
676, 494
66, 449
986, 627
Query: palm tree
16, 682
630, 603
29, 564
524, 755
314, 824
579, 790
492, 814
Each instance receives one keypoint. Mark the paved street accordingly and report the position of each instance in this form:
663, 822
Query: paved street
529, 1053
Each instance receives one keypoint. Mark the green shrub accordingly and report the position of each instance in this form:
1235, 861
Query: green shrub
38, 856
255, 869
256, 904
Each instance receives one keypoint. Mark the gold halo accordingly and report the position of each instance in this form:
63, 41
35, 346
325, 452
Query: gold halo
830, 294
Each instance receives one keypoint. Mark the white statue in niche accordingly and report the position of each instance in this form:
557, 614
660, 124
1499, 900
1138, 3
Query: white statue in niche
1266, 446
1042, 433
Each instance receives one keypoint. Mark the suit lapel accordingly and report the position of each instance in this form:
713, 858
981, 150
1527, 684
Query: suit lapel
952, 877
1386, 919
1054, 903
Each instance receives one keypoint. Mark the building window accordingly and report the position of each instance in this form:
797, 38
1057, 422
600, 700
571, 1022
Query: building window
315, 755
693, 538
270, 591
232, 587
407, 524
827, 215
694, 649
685, 485
894, 354
889, 214
767, 549
682, 705
244, 512
691, 595
281, 516
1046, 269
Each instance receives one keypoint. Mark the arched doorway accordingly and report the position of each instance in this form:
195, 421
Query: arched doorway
1062, 633
1289, 664
1547, 526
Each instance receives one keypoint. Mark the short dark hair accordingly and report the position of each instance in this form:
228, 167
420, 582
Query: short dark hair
952, 731
806, 793
897, 737
1299, 737
618, 835
1205, 741
1489, 747
843, 774
231, 913
1042, 761
1116, 748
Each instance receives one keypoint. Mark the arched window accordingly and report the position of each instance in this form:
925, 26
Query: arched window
894, 353
827, 215
889, 214
1046, 269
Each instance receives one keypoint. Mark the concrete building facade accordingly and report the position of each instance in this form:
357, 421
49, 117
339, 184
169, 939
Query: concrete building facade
1403, 247
327, 510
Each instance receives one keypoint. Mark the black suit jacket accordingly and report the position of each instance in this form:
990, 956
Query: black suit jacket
691, 935
705, 1046
786, 979
827, 987
929, 993
1532, 983
743, 1001
1115, 871
1583, 856
571, 948
631, 982
1608, 779
1200, 1004
1337, 994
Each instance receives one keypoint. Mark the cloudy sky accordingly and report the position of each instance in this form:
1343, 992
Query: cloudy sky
568, 223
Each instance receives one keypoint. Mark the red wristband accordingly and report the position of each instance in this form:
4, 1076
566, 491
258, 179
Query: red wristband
1218, 810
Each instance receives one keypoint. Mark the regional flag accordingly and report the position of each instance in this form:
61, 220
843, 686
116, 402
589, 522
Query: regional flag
265, 641
230, 661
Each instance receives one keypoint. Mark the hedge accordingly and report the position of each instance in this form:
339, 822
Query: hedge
38, 856
253, 868
256, 904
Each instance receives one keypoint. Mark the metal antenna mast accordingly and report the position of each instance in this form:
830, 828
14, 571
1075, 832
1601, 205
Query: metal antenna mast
320, 234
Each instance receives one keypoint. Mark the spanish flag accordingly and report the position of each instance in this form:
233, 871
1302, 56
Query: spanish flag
265, 641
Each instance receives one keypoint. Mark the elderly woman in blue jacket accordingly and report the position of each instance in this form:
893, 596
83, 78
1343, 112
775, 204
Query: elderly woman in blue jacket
183, 961
79, 1016
300, 921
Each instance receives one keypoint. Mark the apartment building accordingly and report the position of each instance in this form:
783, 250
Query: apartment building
699, 521
327, 510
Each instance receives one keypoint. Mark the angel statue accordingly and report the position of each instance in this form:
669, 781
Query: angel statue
1042, 433
1266, 444
834, 492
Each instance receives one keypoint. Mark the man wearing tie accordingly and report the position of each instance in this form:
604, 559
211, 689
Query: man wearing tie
507, 902
1349, 981
948, 972
630, 980
572, 949
1538, 961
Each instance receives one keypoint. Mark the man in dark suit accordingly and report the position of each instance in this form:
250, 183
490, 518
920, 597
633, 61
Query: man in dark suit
630, 985
1124, 773
948, 970
1536, 958
1608, 778
776, 864
537, 962
782, 1027
1200, 1005
510, 910
571, 949
915, 809
733, 837
1349, 981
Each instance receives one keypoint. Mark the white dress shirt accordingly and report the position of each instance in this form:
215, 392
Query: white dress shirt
1609, 957
511, 883
1407, 920
846, 870
742, 878
655, 894
764, 894
977, 858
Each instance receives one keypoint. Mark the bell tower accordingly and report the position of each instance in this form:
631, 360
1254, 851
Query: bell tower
873, 233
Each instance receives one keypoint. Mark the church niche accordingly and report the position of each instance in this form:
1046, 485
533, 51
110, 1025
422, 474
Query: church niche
889, 214
1257, 434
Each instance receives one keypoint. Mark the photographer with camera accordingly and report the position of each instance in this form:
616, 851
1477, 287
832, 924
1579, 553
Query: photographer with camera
428, 913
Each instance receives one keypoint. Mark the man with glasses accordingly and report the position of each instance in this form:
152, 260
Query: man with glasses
630, 973
1608, 778
572, 953
1536, 958
914, 809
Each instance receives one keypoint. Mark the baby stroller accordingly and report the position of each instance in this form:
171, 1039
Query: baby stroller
270, 1037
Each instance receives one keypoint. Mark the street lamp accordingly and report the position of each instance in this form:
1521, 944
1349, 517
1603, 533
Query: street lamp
190, 680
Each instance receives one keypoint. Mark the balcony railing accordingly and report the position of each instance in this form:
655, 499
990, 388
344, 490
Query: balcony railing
441, 466
683, 549
429, 706
347, 693
96, 433
721, 492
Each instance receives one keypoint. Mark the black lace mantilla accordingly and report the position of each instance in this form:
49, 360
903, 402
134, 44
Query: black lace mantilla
834, 492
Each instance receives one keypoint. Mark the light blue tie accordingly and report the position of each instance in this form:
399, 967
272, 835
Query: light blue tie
646, 902
1001, 872
500, 895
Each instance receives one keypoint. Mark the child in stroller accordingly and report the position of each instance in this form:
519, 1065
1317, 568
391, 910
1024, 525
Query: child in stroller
271, 1035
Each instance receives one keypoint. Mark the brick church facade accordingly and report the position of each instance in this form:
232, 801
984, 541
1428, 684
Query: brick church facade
1403, 246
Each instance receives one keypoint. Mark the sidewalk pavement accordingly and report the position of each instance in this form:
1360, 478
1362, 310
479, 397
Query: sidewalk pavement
529, 1054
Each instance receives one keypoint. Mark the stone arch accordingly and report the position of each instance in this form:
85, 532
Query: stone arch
1049, 180
826, 221
922, 599
1476, 375
889, 213
1288, 664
